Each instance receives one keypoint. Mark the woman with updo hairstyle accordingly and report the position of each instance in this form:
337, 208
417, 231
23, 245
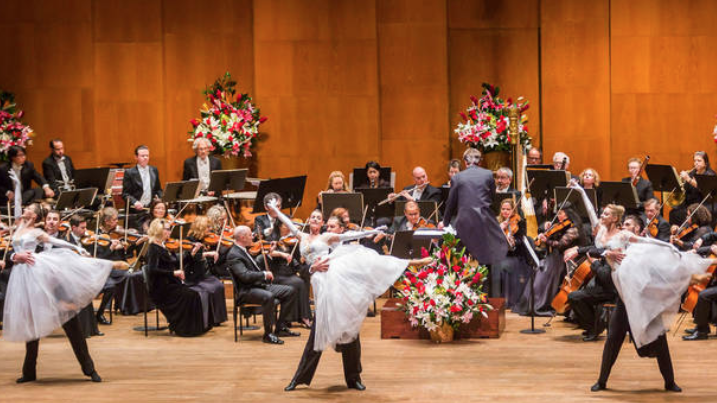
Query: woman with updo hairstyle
181, 305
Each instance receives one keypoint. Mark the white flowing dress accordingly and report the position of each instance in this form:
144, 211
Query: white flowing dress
343, 294
44, 296
650, 280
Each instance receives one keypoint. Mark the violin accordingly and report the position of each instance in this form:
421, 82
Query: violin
686, 231
5, 244
90, 238
423, 223
213, 239
513, 225
260, 247
639, 172
173, 245
554, 229
289, 241
652, 228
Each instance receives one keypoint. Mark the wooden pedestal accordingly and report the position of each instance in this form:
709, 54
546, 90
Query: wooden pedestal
395, 325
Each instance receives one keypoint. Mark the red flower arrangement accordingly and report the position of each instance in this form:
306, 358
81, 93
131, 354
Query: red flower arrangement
12, 130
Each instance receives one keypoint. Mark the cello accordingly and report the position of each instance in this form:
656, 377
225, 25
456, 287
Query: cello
573, 281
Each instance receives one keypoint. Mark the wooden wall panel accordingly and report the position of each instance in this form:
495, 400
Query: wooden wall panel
317, 81
496, 43
575, 56
413, 69
664, 92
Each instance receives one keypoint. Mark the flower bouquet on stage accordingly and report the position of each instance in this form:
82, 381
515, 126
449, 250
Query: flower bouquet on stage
12, 131
445, 293
230, 122
485, 126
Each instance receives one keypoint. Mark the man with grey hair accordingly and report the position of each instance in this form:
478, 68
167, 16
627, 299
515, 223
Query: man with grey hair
469, 200
254, 286
200, 166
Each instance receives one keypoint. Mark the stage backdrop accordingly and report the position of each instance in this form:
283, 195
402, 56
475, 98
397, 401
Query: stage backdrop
347, 81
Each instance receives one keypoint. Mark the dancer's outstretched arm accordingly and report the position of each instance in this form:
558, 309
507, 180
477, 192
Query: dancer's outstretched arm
353, 236
594, 221
60, 243
284, 219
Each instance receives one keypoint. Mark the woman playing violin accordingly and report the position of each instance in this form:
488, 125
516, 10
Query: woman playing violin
509, 276
197, 262
288, 270
696, 224
567, 231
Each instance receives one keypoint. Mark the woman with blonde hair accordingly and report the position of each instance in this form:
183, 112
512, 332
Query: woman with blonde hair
181, 305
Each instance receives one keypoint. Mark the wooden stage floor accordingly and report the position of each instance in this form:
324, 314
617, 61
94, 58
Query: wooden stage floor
553, 367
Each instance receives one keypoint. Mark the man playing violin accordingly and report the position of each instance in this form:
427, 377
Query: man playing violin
643, 186
421, 189
110, 249
706, 298
657, 227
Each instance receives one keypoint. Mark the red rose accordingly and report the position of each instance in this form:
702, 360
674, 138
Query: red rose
458, 282
415, 310
439, 281
464, 117
424, 252
209, 136
263, 119
455, 308
469, 302
456, 268
474, 99
433, 303
422, 275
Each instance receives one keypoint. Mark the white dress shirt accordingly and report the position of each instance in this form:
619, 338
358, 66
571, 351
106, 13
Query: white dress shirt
146, 198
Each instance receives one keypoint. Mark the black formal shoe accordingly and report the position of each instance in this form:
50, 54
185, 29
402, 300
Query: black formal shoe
95, 377
356, 385
673, 388
102, 320
98, 333
598, 387
272, 339
291, 386
24, 379
586, 332
371, 314
590, 337
696, 336
691, 331
285, 332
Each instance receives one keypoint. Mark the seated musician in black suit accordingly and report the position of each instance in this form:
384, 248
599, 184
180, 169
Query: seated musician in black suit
200, 166
57, 167
656, 226
254, 288
26, 173
141, 183
264, 224
421, 190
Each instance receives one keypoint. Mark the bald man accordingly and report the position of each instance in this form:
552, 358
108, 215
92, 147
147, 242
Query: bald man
421, 190
254, 287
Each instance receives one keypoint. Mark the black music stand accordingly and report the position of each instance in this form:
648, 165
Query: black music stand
576, 199
361, 179
427, 208
544, 181
76, 199
664, 178
178, 191
371, 198
226, 179
707, 184
622, 193
290, 189
353, 202
92, 178
406, 246
534, 262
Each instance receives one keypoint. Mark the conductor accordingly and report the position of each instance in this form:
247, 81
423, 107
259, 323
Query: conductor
470, 198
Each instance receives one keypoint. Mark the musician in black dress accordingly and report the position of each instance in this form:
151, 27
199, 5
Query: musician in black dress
26, 173
57, 168
202, 164
373, 178
701, 166
181, 305
197, 274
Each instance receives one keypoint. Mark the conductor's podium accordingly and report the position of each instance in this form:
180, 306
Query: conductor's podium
395, 325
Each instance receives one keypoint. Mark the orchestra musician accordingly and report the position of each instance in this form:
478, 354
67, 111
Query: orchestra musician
509, 276
201, 165
503, 182
644, 186
336, 184
454, 166
697, 224
534, 156
421, 190
656, 226
141, 183
702, 312
57, 167
409, 221
701, 166
113, 250
264, 224
26, 173
373, 177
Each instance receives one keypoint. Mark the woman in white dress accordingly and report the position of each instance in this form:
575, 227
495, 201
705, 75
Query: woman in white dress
47, 290
650, 277
356, 276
